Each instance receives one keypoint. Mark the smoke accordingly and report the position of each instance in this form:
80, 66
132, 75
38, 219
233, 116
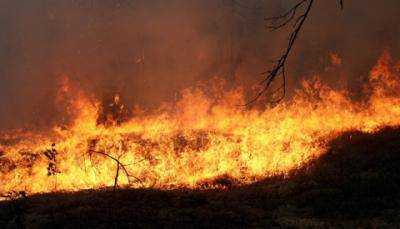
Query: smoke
358, 35
147, 51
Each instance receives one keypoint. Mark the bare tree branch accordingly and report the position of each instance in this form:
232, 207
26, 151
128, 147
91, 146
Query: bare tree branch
278, 69
119, 166
341, 4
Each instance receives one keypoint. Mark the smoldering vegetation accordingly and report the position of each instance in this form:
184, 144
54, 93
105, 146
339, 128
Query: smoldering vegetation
147, 51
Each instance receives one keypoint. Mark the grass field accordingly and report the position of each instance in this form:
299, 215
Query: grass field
355, 184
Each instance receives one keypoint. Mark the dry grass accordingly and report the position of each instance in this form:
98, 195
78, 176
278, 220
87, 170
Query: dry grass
355, 184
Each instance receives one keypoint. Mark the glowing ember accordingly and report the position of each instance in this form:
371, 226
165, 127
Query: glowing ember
196, 141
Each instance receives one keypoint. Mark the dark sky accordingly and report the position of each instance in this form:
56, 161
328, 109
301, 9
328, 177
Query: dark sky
148, 50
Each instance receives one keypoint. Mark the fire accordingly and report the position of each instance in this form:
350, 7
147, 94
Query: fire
194, 141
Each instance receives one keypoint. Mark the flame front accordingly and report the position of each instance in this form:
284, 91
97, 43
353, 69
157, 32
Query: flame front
198, 140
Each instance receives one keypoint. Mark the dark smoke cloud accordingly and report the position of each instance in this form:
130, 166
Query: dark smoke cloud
147, 51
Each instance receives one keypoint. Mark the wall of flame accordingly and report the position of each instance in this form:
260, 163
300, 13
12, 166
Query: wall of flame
196, 140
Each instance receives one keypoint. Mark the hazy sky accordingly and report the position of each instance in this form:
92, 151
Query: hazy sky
148, 50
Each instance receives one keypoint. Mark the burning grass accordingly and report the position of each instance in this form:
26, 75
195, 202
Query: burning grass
199, 142
355, 183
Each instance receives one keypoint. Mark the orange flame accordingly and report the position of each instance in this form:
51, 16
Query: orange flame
200, 140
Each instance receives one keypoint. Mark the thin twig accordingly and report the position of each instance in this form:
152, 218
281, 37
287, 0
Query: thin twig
275, 23
279, 67
341, 4
119, 166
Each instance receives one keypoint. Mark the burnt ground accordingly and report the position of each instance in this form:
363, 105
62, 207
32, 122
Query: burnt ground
355, 184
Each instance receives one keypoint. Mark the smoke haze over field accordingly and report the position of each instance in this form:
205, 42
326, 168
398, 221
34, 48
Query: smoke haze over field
149, 50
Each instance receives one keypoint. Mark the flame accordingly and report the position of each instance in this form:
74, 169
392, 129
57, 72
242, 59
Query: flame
196, 140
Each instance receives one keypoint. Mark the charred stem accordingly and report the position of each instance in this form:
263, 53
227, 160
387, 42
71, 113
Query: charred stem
120, 165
